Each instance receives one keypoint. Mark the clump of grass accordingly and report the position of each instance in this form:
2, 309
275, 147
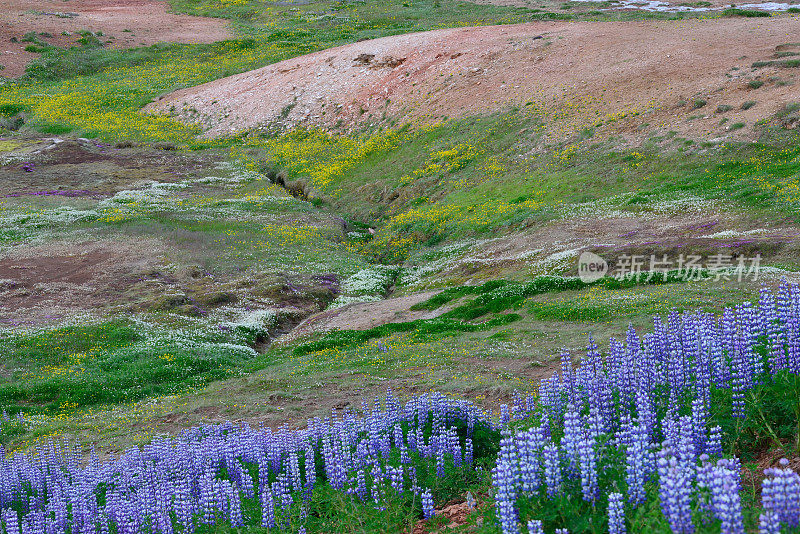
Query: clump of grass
737, 126
786, 63
699, 103
90, 58
724, 108
561, 311
749, 104
736, 12
772, 415
11, 109
755, 84
77, 367
421, 330
787, 110
499, 296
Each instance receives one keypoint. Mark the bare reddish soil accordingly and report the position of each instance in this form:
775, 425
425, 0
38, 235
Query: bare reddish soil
366, 315
634, 77
124, 23
48, 283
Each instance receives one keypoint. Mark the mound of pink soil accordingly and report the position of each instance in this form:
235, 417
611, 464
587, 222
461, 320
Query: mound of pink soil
585, 71
126, 23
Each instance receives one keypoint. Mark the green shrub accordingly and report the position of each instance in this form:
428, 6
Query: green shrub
723, 108
772, 417
736, 12
9, 110
498, 295
30, 37
699, 103
421, 330
755, 84
749, 104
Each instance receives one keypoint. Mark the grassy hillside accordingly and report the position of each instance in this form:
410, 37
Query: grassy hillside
153, 280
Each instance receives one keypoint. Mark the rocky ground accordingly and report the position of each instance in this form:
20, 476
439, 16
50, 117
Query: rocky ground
121, 23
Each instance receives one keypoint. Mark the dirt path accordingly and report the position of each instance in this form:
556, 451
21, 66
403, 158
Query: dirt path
124, 23
622, 74
365, 315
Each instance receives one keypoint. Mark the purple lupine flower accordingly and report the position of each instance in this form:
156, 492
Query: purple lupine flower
616, 514
505, 415
535, 527
11, 520
639, 462
427, 504
361, 485
588, 469
780, 493
568, 376
267, 507
573, 434
311, 469
769, 523
235, 508
504, 480
531, 443
676, 491
396, 478
714, 444
724, 483
552, 470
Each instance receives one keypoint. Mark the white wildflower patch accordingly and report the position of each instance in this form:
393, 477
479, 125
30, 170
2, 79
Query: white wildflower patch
238, 173
620, 207
503, 258
231, 317
734, 233
344, 300
605, 208
434, 262
153, 195
682, 204
60, 216
367, 285
375, 279
558, 260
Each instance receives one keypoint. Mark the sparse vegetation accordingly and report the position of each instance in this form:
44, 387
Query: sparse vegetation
157, 284
737, 12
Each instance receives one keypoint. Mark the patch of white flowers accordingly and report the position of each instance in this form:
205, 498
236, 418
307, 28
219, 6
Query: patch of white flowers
618, 207
46, 218
367, 285
343, 300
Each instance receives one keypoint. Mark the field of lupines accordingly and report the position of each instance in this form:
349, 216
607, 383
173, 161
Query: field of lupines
667, 431
644, 438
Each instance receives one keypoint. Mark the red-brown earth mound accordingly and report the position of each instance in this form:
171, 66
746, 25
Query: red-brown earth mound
633, 77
